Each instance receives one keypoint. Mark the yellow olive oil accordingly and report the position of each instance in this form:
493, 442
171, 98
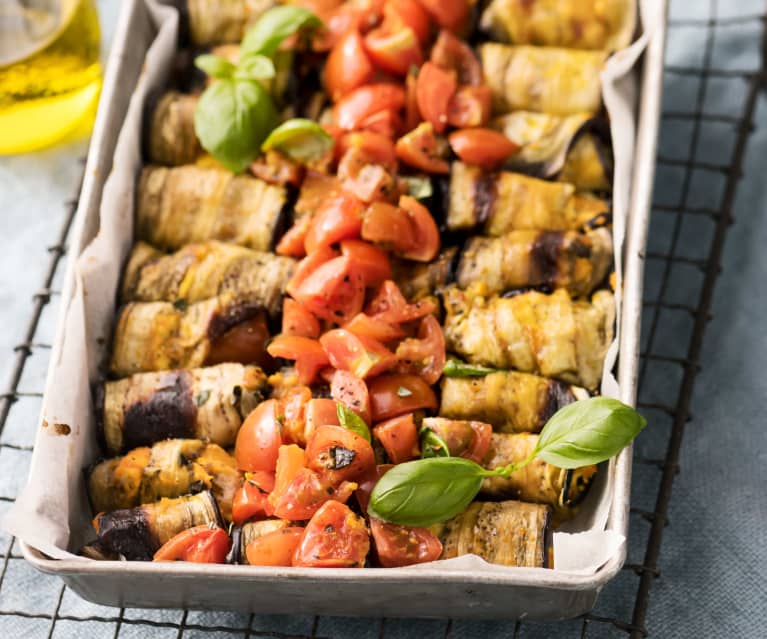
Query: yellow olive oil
52, 91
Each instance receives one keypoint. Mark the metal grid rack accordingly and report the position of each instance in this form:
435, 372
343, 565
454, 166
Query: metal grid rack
679, 291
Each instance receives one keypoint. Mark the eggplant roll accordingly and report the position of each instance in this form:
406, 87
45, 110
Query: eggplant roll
574, 261
185, 204
576, 24
511, 533
501, 202
511, 402
543, 79
222, 21
538, 482
588, 165
155, 336
201, 271
417, 280
170, 468
204, 403
250, 531
137, 533
551, 335
171, 139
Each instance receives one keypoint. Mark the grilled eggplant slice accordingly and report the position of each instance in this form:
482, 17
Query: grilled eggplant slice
576, 24
501, 202
170, 468
203, 403
137, 533
538, 482
201, 271
510, 533
417, 280
171, 139
543, 79
551, 335
221, 21
185, 204
553, 259
511, 402
588, 165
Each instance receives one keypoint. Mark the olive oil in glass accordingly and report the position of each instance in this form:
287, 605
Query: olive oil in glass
50, 75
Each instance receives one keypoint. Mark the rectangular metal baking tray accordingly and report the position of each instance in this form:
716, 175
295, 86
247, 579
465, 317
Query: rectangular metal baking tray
520, 593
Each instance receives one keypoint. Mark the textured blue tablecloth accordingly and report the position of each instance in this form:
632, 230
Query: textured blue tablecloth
714, 555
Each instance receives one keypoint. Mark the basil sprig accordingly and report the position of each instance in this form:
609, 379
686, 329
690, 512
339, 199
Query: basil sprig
235, 114
351, 421
428, 491
457, 368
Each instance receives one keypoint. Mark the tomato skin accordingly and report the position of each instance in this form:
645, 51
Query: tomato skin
259, 439
319, 412
399, 437
367, 180
317, 187
298, 321
468, 439
292, 243
306, 494
434, 88
453, 54
349, 390
449, 14
424, 356
360, 355
374, 327
293, 408
420, 149
411, 13
376, 148
372, 262
275, 548
200, 544
290, 460
389, 226
412, 114
387, 399
484, 147
470, 107
348, 66
393, 47
427, 240
365, 101
390, 305
334, 291
367, 484
250, 501
308, 265
337, 454
244, 343
308, 354
334, 538
384, 122
340, 218
397, 545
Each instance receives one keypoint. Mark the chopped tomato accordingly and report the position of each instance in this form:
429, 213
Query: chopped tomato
376, 148
397, 545
334, 538
251, 500
200, 544
308, 265
389, 226
470, 106
245, 343
453, 54
372, 262
276, 168
306, 493
315, 189
358, 354
422, 150
411, 13
426, 233
384, 122
308, 354
375, 327
337, 22
259, 439
393, 46
469, 439
340, 218
320, 411
399, 437
449, 14
391, 306
275, 548
367, 484
412, 114
293, 405
337, 454
424, 356
365, 101
290, 460
397, 394
297, 320
364, 178
349, 390
434, 88
292, 243
334, 291
484, 147
347, 66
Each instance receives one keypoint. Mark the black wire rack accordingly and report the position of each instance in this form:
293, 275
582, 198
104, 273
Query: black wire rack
687, 237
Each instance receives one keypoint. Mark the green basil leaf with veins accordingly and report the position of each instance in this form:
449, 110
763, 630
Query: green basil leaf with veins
274, 26
300, 139
457, 368
426, 491
255, 67
588, 432
432, 445
351, 421
232, 119
215, 66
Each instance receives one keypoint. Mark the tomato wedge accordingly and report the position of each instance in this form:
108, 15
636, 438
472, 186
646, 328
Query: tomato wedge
334, 538
360, 355
384, 122
200, 544
275, 548
296, 320
376, 148
390, 226
484, 147
422, 150
391, 306
470, 106
424, 356
434, 88
306, 493
308, 265
375, 327
293, 410
399, 437
337, 454
426, 233
308, 354
403, 545
349, 390
367, 484
292, 243
372, 262
251, 500
259, 438
365, 101
453, 54
367, 180
319, 411
334, 291
449, 14
396, 394
393, 47
469, 439
410, 13
347, 66
340, 218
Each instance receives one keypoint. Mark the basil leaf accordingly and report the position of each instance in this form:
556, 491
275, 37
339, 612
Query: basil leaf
274, 27
426, 491
255, 67
419, 187
300, 139
231, 120
588, 432
432, 445
214, 66
457, 368
351, 421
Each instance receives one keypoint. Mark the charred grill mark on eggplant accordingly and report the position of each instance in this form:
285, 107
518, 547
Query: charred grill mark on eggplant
485, 196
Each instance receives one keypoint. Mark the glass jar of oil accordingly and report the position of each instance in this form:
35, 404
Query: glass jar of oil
50, 76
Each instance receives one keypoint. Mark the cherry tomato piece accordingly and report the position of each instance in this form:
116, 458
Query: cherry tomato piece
349, 390
320, 411
316, 188
393, 47
367, 484
308, 354
367, 180
259, 439
410, 13
389, 226
308, 265
449, 14
426, 233
399, 437
306, 493
469, 439
434, 88
334, 291
396, 394
365, 101
484, 147
244, 343
412, 114
384, 122
334, 538
391, 306
293, 405
290, 460
372, 262
275, 548
470, 107
422, 150
340, 218
250, 501
348, 66
337, 454
297, 320
358, 354
375, 327
453, 54
397, 545
376, 148
424, 356
200, 544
